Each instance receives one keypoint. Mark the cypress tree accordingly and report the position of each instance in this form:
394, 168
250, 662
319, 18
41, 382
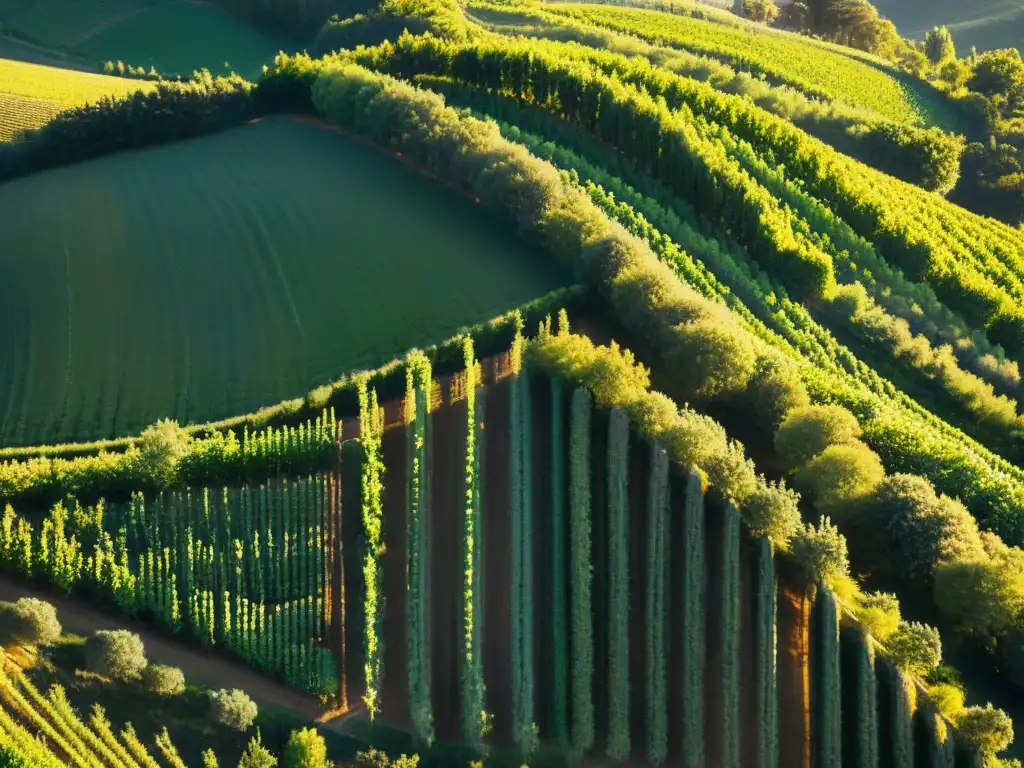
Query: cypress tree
559, 604
765, 672
729, 616
693, 625
826, 689
581, 576
418, 384
618, 585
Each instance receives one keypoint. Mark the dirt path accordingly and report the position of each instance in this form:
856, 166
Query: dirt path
209, 669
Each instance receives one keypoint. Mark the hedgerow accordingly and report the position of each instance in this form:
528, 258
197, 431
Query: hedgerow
580, 574
655, 608
618, 586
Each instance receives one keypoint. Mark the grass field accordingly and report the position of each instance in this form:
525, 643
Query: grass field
982, 23
782, 58
31, 94
211, 277
175, 36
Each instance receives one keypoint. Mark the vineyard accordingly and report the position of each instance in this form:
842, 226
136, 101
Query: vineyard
31, 94
816, 72
502, 542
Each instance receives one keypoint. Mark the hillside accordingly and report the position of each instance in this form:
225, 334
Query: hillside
31, 94
641, 396
985, 24
234, 300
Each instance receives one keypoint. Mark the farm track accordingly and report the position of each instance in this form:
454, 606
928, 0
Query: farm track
209, 669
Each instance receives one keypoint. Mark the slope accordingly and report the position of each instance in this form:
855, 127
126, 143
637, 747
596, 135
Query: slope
212, 277
985, 24
31, 94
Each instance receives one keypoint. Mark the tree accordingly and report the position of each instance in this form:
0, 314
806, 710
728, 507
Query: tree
821, 551
717, 359
772, 510
996, 72
163, 680
763, 11
256, 755
808, 431
840, 474
117, 654
377, 759
233, 709
29, 622
915, 648
305, 749
879, 614
938, 46
161, 446
797, 17
983, 597
985, 728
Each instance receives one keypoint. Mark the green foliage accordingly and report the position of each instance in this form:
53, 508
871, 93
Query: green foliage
859, 699
655, 609
915, 648
948, 699
28, 621
821, 552
808, 431
210, 759
826, 687
996, 72
560, 612
772, 510
161, 448
171, 111
471, 705
256, 755
840, 473
694, 625
766, 646
374, 758
521, 513
762, 11
985, 728
721, 362
118, 654
418, 384
305, 749
163, 680
233, 709
896, 696
580, 573
879, 615
728, 618
938, 46
618, 585
983, 597
371, 428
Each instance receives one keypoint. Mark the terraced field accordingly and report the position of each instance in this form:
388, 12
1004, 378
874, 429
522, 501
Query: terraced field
214, 276
787, 59
31, 94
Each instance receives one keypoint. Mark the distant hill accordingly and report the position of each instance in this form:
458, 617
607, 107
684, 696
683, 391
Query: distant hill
983, 23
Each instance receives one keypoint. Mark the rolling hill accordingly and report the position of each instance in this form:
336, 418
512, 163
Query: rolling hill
985, 24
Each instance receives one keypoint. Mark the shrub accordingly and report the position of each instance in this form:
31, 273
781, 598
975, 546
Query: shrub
161, 447
775, 389
256, 755
915, 648
948, 699
764, 11
716, 359
376, 759
772, 510
985, 728
28, 622
821, 551
879, 614
117, 654
233, 709
808, 431
305, 749
921, 527
983, 597
163, 681
840, 473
